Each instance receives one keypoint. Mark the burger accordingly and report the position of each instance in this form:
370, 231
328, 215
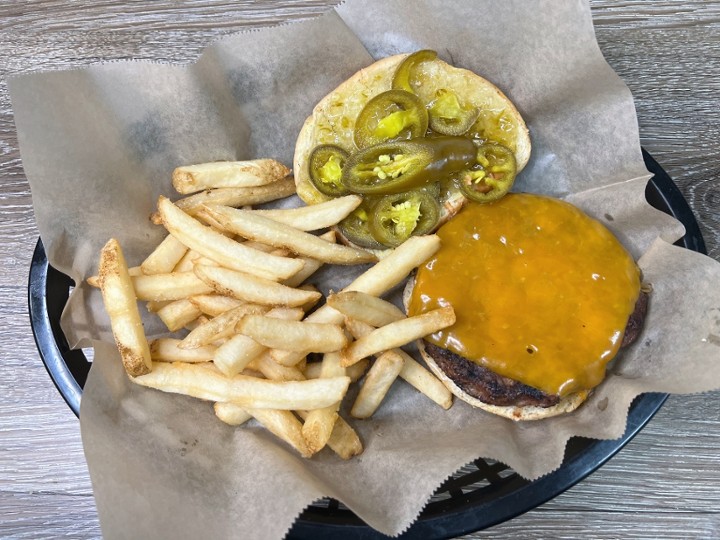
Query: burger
545, 297
416, 138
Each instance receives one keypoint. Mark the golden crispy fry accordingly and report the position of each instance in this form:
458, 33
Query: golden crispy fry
274, 371
177, 314
219, 327
363, 307
311, 265
214, 304
167, 350
253, 289
344, 441
231, 414
251, 225
248, 392
398, 334
424, 381
284, 425
355, 372
319, 423
238, 196
165, 257
187, 262
173, 286
228, 174
316, 216
412, 372
236, 353
154, 306
377, 382
94, 281
121, 306
376, 281
396, 266
293, 335
221, 249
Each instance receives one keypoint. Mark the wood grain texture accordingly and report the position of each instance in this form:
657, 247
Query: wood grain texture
664, 484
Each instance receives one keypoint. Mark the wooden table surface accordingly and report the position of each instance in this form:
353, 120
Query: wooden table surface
664, 484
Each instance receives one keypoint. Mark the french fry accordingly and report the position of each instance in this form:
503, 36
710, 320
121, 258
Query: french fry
173, 286
363, 307
249, 392
231, 414
424, 381
316, 216
167, 350
253, 226
319, 423
284, 425
377, 382
237, 352
344, 441
154, 306
238, 196
412, 372
94, 281
177, 314
311, 265
376, 281
214, 304
121, 306
274, 371
187, 262
293, 335
355, 372
219, 327
164, 257
221, 249
253, 289
398, 334
227, 174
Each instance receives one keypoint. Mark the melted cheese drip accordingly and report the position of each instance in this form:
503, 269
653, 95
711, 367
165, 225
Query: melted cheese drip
542, 292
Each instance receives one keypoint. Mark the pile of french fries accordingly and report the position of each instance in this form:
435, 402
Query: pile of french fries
232, 282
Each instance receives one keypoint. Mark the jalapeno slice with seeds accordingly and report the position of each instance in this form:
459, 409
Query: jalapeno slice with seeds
492, 176
402, 80
326, 167
395, 218
448, 116
395, 167
356, 227
392, 115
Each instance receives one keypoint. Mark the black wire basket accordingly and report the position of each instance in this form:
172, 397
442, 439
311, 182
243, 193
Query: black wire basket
477, 496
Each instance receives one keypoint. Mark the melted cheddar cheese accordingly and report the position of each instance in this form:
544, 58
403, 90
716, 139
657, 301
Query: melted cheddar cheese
541, 291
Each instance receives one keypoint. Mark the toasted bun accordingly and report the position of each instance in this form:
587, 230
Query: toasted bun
333, 119
566, 404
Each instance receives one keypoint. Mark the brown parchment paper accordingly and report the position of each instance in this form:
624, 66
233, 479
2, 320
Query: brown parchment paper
98, 146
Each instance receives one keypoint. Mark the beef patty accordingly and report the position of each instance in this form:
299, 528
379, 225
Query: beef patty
494, 389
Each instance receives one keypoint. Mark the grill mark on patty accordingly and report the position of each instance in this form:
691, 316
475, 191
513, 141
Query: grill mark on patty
494, 389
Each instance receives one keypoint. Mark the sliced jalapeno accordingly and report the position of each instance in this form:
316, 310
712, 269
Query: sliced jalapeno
392, 115
397, 217
448, 116
402, 80
492, 176
326, 167
400, 166
356, 227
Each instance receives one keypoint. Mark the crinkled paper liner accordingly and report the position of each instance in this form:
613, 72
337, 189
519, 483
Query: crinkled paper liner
98, 146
